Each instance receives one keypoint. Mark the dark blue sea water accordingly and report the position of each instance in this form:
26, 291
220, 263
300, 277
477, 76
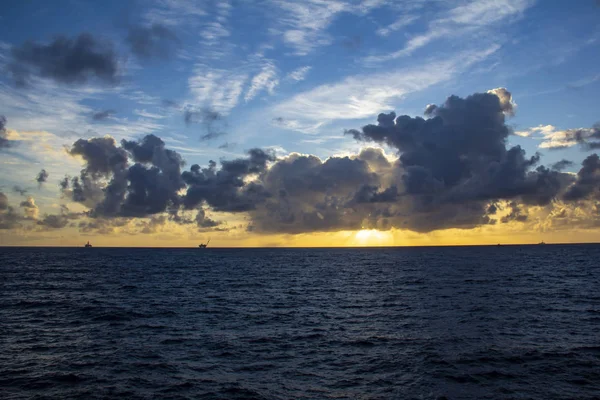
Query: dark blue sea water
504, 322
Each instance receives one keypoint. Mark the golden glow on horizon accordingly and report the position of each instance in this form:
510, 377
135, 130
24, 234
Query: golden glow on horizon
373, 237
173, 235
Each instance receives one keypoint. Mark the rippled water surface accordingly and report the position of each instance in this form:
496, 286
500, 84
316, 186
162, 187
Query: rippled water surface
408, 323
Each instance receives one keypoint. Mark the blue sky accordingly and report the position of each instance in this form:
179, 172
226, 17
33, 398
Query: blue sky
292, 76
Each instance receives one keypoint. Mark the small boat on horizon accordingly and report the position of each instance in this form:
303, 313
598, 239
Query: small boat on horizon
88, 244
542, 242
204, 245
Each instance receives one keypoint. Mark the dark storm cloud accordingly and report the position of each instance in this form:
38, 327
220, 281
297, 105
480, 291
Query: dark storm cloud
515, 214
202, 221
104, 160
308, 194
102, 115
147, 187
154, 179
65, 60
587, 183
372, 194
460, 154
9, 219
454, 170
588, 139
225, 189
155, 41
42, 176
4, 141
212, 122
101, 155
562, 164
3, 202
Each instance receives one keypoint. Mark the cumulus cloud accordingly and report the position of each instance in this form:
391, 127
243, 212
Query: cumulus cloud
3, 202
556, 139
452, 169
562, 164
30, 209
4, 140
226, 189
9, 219
588, 180
64, 60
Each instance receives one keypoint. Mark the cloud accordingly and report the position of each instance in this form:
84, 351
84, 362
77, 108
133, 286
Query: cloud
400, 23
588, 180
102, 115
9, 219
174, 12
227, 145
4, 140
154, 41
20, 190
64, 60
359, 97
42, 176
30, 209
451, 169
3, 202
111, 187
303, 25
202, 221
266, 79
562, 164
555, 139
459, 155
463, 19
216, 89
227, 189
213, 123
299, 74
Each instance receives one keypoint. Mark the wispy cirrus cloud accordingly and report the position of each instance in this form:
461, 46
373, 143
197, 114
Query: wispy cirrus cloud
217, 89
216, 29
304, 23
400, 23
299, 74
267, 79
460, 20
174, 12
363, 96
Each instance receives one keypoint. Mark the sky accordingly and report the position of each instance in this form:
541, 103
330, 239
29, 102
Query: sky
299, 123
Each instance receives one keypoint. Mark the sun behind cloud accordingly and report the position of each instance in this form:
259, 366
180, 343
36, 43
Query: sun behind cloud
372, 237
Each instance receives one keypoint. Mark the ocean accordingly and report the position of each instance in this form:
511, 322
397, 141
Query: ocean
501, 322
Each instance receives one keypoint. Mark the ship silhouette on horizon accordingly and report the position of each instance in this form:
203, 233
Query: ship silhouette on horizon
204, 245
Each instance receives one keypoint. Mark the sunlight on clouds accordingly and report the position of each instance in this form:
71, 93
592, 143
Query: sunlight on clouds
373, 237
